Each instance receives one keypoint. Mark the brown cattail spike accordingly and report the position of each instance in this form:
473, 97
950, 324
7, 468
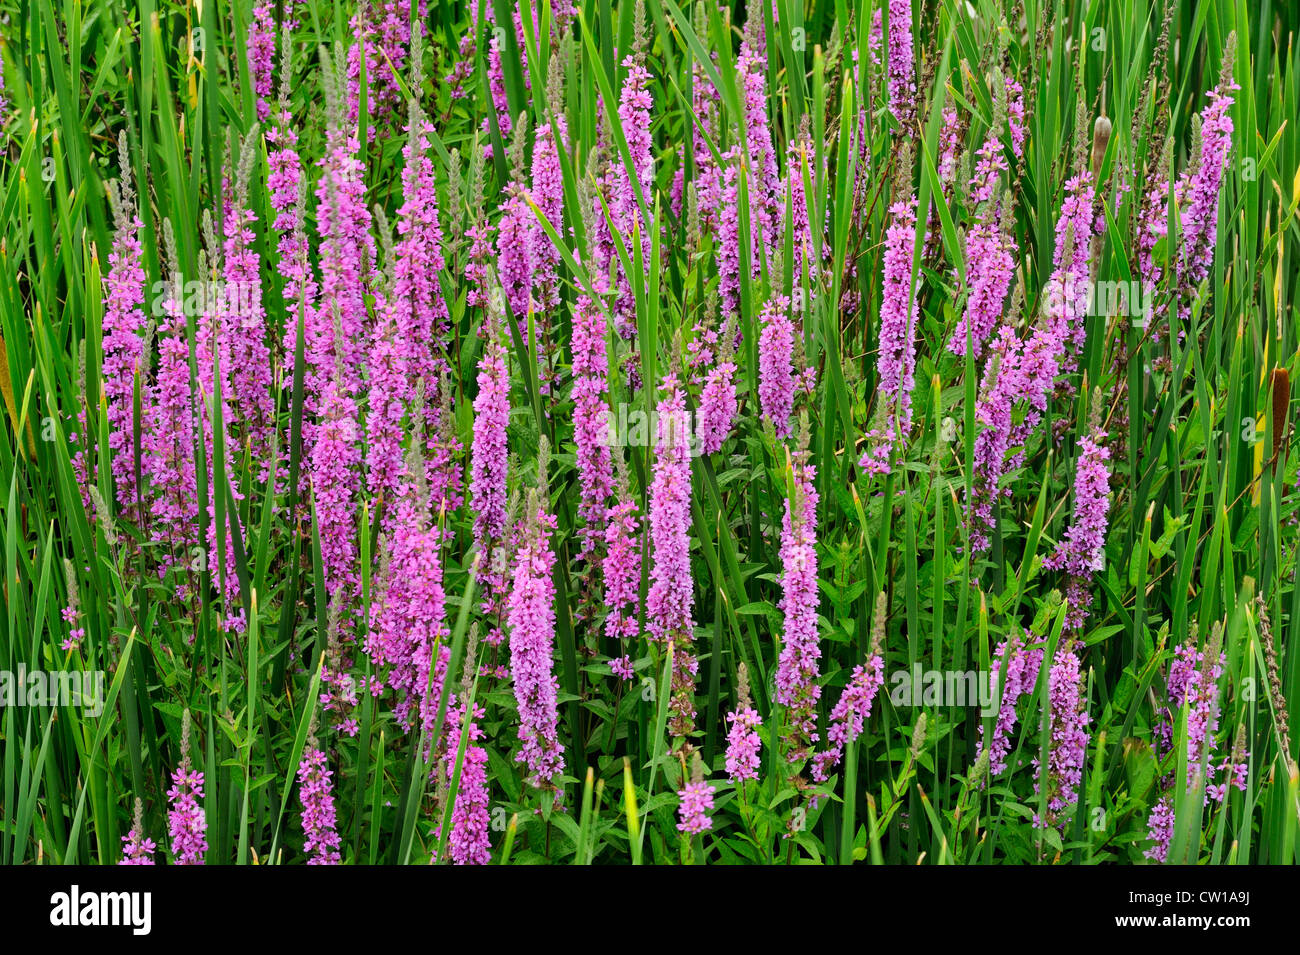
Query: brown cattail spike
1281, 404
1101, 130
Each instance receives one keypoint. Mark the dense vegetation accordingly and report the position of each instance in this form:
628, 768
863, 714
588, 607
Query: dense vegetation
652, 432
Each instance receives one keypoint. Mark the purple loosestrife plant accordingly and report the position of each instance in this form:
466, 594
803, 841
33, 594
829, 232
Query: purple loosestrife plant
420, 309
1021, 374
718, 405
622, 573
696, 802
1021, 673
251, 394
1082, 553
412, 632
591, 420
408, 633
1193, 686
798, 668
1067, 290
531, 622
338, 688
72, 614
762, 182
288, 199
1016, 115
389, 644
704, 347
850, 713
319, 820
427, 630
137, 848
1002, 383
546, 199
1152, 228
744, 742
347, 254
1199, 195
168, 436
1060, 334
896, 356
670, 600
214, 352
800, 174
489, 458
634, 113
122, 324
83, 464
336, 357
315, 411
75, 633
862, 129
1067, 746
284, 180
548, 194
1196, 199
383, 44
335, 482
990, 252
444, 449
951, 135
479, 274
418, 255
728, 247
261, 56
776, 379
515, 246
950, 142
496, 69
405, 356
705, 108
598, 198
902, 68
386, 407
497, 76
186, 822
470, 818
1160, 828
990, 265
463, 68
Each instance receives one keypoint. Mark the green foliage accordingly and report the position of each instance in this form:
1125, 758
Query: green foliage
1203, 514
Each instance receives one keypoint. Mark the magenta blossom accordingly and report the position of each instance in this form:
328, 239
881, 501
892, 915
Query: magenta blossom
532, 648
319, 823
670, 600
797, 670
694, 808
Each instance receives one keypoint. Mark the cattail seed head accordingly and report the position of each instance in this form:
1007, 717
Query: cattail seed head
1101, 130
919, 735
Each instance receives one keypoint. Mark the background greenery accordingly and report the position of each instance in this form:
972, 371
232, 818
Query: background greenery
1201, 521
